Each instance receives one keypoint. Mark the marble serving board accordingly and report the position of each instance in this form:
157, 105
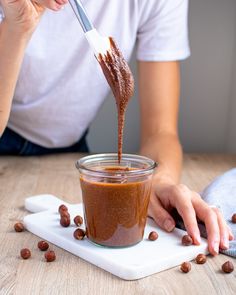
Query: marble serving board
141, 260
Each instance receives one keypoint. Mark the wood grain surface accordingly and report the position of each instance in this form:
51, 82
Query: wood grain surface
21, 177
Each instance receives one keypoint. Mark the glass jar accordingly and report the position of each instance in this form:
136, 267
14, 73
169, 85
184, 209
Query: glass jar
115, 197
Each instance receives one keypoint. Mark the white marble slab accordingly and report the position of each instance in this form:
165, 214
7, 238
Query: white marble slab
141, 260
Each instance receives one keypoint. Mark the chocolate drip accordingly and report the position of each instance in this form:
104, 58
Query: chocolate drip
120, 79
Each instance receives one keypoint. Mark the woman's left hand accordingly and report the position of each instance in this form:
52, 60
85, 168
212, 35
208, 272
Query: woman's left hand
189, 204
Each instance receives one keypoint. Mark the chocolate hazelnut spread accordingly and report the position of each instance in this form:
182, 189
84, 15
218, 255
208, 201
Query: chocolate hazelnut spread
120, 79
115, 212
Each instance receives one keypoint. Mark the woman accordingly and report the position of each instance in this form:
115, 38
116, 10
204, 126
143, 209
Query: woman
53, 86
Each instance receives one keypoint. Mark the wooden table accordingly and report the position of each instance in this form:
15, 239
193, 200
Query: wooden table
22, 177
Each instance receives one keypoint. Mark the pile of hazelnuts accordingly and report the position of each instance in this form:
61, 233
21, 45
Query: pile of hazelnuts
187, 240
50, 255
42, 245
200, 259
185, 267
65, 221
79, 234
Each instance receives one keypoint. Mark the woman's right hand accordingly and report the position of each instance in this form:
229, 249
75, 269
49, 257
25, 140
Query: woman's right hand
22, 16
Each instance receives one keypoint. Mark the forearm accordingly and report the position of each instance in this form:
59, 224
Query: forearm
12, 48
166, 150
159, 88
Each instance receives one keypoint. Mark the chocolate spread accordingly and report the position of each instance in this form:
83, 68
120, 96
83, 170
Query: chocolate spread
120, 79
115, 212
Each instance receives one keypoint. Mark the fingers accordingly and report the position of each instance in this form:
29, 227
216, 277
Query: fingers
209, 217
160, 215
183, 203
213, 233
219, 234
231, 236
190, 206
225, 231
188, 214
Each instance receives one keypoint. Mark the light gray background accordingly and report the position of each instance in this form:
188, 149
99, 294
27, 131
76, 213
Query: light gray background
208, 100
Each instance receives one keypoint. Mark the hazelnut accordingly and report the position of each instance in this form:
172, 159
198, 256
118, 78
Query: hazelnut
19, 227
65, 213
78, 220
233, 218
43, 245
227, 267
65, 221
79, 234
62, 208
201, 259
153, 236
185, 267
25, 253
50, 256
187, 240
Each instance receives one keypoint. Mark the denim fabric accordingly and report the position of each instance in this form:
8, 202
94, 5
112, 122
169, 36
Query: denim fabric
12, 143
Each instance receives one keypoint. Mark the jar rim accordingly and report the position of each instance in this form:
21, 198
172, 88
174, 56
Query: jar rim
151, 164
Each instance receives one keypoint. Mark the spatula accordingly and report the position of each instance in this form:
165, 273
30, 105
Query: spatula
98, 43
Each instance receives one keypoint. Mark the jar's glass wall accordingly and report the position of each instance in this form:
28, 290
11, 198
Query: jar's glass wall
115, 198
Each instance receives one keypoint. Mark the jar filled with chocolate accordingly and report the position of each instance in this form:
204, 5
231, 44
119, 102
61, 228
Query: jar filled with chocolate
115, 197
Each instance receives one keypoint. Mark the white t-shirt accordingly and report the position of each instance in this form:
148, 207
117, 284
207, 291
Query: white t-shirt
61, 86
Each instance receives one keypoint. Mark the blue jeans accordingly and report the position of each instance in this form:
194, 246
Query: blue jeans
12, 143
